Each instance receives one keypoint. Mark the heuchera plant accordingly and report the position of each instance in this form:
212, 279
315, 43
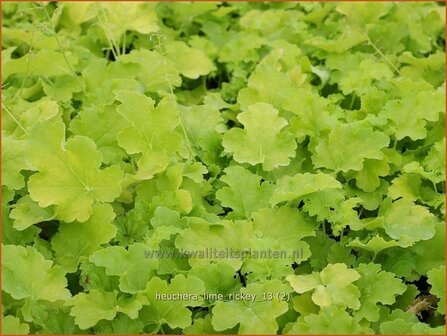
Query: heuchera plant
130, 129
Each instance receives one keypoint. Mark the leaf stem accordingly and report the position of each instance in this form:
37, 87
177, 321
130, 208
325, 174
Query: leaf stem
352, 100
434, 186
59, 43
165, 65
19, 92
109, 40
371, 43
123, 51
14, 118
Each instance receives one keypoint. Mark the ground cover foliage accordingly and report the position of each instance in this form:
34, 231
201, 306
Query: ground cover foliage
132, 128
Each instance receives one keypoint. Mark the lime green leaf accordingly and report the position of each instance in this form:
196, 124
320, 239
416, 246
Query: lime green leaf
61, 88
407, 186
76, 14
376, 286
415, 167
69, 174
435, 159
402, 326
203, 238
245, 192
27, 275
218, 278
368, 178
202, 124
283, 240
320, 203
89, 309
151, 131
333, 286
289, 188
341, 254
241, 47
323, 323
360, 78
276, 93
75, 241
13, 161
53, 318
37, 39
291, 225
255, 315
21, 118
189, 62
101, 125
430, 68
131, 305
12, 236
312, 113
166, 191
166, 223
410, 114
95, 277
348, 145
345, 215
263, 138
26, 213
406, 322
374, 245
11, 326
304, 305
172, 312
140, 17
349, 39
44, 63
203, 326
364, 12
132, 265
408, 222
436, 278
304, 283
151, 69
195, 171
120, 325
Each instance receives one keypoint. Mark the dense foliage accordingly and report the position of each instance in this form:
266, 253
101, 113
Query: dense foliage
135, 128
